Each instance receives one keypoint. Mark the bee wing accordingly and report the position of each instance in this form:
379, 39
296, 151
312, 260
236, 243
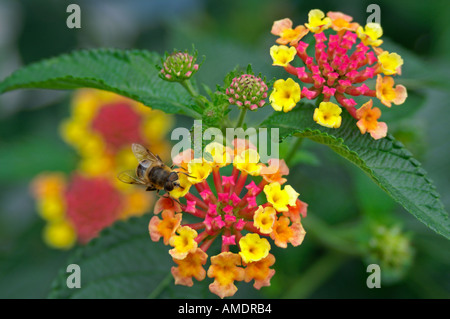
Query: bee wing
143, 153
129, 177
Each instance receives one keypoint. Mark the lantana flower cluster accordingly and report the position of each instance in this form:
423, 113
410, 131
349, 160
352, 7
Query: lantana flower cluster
345, 55
241, 210
101, 127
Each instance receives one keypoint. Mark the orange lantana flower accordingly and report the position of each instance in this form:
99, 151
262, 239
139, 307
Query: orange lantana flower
224, 269
387, 93
191, 266
368, 121
287, 35
164, 228
260, 271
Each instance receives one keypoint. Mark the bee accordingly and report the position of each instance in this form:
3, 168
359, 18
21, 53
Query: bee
150, 172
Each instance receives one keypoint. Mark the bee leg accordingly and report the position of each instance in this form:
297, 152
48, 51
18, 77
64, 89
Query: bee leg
175, 200
149, 189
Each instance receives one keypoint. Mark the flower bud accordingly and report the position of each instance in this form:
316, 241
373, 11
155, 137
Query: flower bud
247, 91
391, 249
179, 66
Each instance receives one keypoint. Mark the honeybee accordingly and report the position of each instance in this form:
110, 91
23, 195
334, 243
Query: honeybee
151, 172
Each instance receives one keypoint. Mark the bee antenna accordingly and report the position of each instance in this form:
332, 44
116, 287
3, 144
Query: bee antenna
187, 174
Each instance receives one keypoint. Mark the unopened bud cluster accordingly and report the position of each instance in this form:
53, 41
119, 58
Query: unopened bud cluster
391, 249
247, 91
179, 66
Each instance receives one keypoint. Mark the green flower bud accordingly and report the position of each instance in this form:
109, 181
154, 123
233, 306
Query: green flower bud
391, 250
247, 91
179, 66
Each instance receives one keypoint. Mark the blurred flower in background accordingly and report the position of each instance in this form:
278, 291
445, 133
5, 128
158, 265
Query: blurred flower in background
102, 126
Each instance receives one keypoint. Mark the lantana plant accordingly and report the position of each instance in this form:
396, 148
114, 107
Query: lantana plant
345, 56
231, 208
227, 211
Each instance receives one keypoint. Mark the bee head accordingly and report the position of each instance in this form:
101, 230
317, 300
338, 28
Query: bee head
169, 186
172, 182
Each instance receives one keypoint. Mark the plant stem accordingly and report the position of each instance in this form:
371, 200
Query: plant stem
189, 87
293, 150
162, 285
339, 250
241, 117
314, 276
328, 237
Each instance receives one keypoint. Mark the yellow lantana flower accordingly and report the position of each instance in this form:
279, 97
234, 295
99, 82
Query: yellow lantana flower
282, 55
185, 185
328, 114
198, 171
264, 219
51, 208
370, 34
317, 22
248, 161
390, 63
285, 95
280, 199
60, 234
220, 155
253, 247
183, 243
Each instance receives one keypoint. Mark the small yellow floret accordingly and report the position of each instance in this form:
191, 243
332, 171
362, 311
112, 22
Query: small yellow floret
328, 114
282, 55
253, 248
183, 243
248, 161
60, 235
370, 34
285, 95
264, 219
390, 63
198, 171
317, 22
280, 199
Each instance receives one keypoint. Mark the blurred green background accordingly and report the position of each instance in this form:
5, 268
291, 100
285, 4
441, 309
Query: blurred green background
231, 33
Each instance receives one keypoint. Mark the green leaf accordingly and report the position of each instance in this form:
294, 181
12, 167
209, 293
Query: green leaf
129, 73
124, 263
386, 161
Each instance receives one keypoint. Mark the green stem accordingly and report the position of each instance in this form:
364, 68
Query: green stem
189, 87
293, 150
328, 237
339, 250
241, 117
162, 285
314, 276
